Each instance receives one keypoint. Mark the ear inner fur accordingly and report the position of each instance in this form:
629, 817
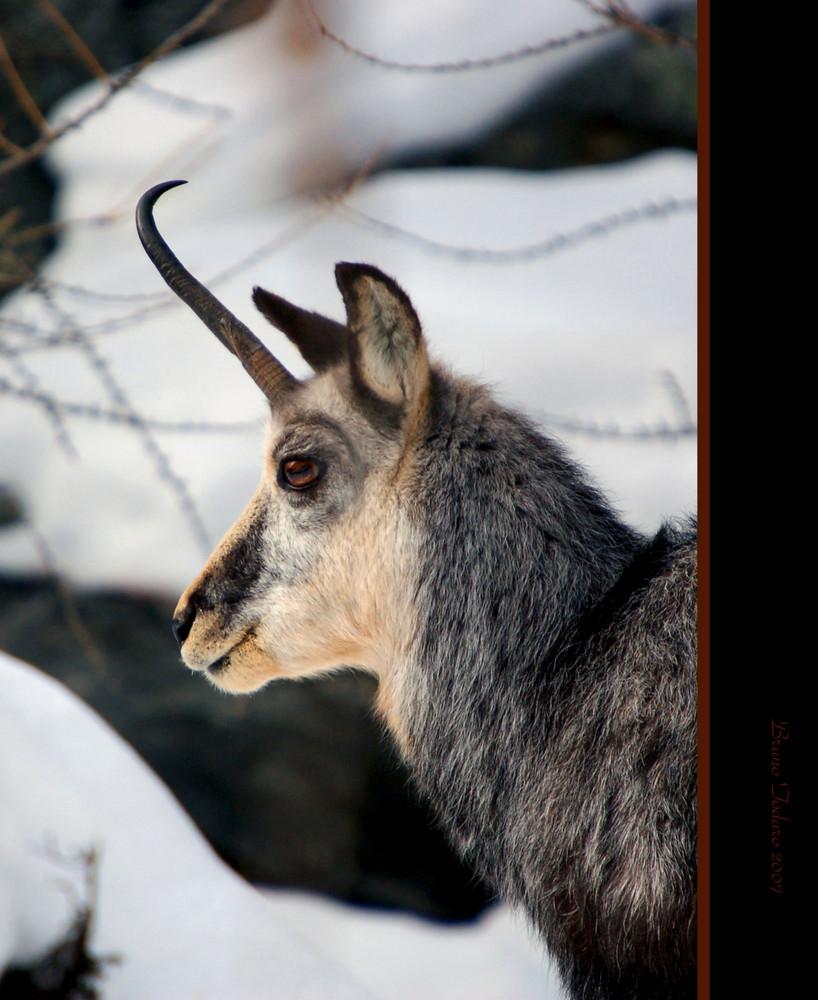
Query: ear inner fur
388, 355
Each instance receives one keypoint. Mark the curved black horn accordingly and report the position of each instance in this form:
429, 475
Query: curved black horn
266, 371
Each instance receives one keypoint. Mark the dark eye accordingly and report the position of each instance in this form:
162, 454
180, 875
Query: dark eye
299, 473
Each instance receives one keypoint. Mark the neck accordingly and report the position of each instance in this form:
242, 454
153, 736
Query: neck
518, 548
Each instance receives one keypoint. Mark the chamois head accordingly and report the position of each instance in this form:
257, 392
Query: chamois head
310, 576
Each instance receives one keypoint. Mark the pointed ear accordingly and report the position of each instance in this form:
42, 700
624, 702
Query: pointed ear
321, 341
387, 352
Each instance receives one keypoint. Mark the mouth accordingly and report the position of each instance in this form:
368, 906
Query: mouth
219, 666
215, 668
237, 669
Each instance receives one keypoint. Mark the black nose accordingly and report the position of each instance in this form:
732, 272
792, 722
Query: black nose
182, 626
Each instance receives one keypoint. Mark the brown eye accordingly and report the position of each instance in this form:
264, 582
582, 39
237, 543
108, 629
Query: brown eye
299, 473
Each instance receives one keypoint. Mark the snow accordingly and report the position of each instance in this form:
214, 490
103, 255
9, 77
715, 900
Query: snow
254, 121
183, 924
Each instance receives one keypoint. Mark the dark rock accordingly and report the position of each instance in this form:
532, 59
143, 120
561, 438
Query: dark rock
294, 786
11, 510
640, 96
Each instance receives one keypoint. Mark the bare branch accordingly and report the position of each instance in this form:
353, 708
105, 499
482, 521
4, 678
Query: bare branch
9, 147
618, 16
172, 42
21, 91
545, 248
92, 411
86, 56
683, 427
621, 14
661, 431
678, 400
71, 615
121, 403
465, 65
31, 390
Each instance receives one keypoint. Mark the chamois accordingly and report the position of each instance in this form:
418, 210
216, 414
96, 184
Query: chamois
536, 657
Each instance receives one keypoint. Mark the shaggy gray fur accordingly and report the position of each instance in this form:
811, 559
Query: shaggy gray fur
554, 712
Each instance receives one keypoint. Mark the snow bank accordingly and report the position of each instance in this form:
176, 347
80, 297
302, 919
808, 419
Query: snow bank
182, 923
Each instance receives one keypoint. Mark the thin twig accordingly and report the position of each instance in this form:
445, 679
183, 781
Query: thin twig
149, 442
620, 13
683, 427
464, 65
31, 390
544, 248
9, 147
94, 295
589, 428
93, 411
21, 91
114, 86
73, 619
86, 56
678, 399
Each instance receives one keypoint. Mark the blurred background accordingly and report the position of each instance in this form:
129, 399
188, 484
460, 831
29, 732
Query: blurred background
527, 171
